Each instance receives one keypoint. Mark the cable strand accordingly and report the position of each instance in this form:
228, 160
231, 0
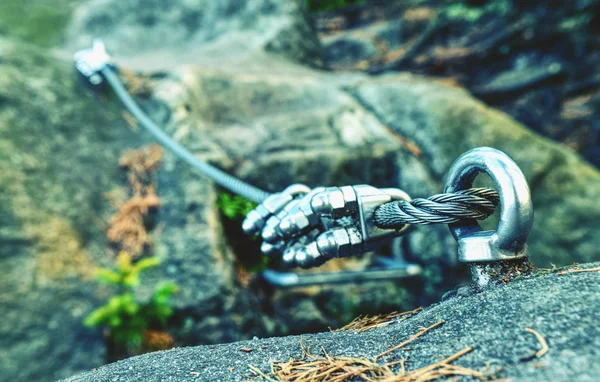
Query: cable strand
227, 181
474, 203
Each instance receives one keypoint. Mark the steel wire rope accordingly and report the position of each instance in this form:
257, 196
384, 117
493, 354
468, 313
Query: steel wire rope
474, 203
220, 177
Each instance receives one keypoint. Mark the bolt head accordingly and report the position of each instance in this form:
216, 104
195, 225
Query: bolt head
253, 223
270, 249
289, 258
287, 227
313, 253
327, 244
302, 259
320, 204
269, 234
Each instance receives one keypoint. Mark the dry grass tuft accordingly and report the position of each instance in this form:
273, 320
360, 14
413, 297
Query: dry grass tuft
312, 368
156, 340
128, 228
364, 323
137, 84
141, 165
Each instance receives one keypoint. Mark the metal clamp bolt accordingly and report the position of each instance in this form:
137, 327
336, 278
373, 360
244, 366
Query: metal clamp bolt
257, 218
351, 230
322, 224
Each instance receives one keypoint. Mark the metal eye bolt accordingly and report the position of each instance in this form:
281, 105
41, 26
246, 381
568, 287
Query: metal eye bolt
507, 242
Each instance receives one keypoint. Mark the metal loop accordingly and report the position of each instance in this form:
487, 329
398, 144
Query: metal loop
516, 209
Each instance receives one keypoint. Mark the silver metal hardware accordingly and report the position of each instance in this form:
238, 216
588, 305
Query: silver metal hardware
90, 62
390, 270
507, 242
257, 219
338, 222
324, 223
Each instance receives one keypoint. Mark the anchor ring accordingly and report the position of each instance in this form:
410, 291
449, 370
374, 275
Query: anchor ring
508, 241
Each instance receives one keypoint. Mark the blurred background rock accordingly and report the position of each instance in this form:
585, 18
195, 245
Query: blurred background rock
274, 92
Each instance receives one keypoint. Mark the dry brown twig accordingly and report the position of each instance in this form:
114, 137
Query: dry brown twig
127, 228
411, 339
311, 368
542, 341
339, 369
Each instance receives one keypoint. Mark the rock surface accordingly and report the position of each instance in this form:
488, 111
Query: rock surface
260, 116
55, 166
496, 50
561, 308
160, 35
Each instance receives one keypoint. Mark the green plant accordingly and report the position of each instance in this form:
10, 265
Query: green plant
126, 318
329, 5
234, 207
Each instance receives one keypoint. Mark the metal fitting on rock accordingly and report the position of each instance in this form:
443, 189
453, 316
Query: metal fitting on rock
299, 219
335, 202
345, 225
340, 242
90, 62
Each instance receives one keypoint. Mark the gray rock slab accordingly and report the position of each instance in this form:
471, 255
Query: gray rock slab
160, 35
564, 309
256, 115
58, 154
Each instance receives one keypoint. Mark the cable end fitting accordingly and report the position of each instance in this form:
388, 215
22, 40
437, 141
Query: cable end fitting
91, 61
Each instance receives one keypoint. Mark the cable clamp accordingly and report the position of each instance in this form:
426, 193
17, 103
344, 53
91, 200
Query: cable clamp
310, 228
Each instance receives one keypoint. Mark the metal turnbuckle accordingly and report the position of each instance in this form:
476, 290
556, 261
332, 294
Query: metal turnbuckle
322, 224
508, 241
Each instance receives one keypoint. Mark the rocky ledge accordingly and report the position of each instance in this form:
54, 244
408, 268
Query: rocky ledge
237, 86
501, 324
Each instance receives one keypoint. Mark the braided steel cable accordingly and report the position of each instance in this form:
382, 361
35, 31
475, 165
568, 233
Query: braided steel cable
474, 203
233, 184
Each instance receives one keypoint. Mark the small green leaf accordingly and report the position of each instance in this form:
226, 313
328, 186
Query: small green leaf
108, 276
149, 262
131, 280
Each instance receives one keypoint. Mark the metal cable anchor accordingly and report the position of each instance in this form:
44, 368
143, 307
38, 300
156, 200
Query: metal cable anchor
360, 202
90, 62
508, 241
352, 231
256, 219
